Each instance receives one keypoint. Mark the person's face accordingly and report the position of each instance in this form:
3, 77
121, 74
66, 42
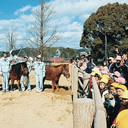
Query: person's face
86, 54
5, 55
38, 59
96, 78
115, 78
25, 59
118, 62
77, 60
110, 61
117, 50
102, 86
82, 60
105, 63
112, 90
119, 92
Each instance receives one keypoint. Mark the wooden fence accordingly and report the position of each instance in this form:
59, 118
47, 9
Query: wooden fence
87, 112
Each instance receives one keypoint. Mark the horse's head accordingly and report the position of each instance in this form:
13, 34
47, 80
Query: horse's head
66, 70
24, 69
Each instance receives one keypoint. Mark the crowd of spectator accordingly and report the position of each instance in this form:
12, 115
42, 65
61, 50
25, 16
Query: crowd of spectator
112, 80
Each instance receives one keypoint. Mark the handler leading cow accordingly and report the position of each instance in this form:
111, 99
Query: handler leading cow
29, 66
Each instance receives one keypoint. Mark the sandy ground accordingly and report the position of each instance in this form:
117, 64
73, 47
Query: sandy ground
37, 110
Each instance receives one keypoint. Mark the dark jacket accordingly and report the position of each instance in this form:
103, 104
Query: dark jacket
89, 67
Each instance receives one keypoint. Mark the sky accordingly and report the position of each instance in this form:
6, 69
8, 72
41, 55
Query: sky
69, 19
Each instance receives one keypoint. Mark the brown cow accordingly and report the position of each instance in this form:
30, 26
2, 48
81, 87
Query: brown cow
53, 73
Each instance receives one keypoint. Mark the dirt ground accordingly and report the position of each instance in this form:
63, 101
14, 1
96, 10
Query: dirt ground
37, 110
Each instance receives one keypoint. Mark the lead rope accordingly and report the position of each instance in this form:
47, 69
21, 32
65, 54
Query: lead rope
65, 71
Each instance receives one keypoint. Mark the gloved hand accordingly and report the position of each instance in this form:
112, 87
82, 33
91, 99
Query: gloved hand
11, 51
15, 57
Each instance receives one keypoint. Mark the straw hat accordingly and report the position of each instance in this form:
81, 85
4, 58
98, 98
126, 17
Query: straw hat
116, 85
125, 95
104, 80
105, 76
96, 71
122, 119
123, 87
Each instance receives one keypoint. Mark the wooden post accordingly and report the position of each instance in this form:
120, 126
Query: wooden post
100, 117
72, 76
75, 82
83, 113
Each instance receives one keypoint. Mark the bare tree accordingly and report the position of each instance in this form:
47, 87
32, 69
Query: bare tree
11, 37
42, 33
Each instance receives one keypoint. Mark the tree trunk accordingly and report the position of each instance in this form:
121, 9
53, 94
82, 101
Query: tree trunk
106, 53
41, 33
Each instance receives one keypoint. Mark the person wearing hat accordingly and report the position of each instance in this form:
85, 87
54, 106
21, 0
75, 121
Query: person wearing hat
29, 66
103, 88
77, 61
39, 73
124, 58
123, 106
97, 74
113, 87
110, 101
89, 68
122, 119
115, 76
96, 70
117, 65
124, 65
105, 70
5, 67
120, 90
82, 67
110, 63
86, 54
121, 80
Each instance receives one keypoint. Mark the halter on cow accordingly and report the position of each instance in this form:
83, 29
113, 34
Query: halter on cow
16, 72
53, 73
65, 71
